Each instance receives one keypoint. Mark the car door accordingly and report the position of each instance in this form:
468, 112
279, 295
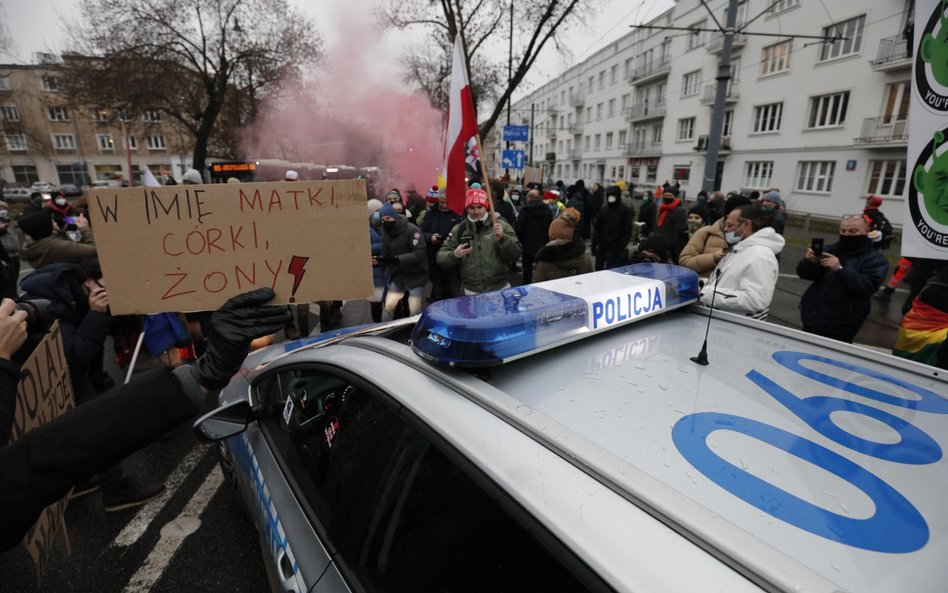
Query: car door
322, 431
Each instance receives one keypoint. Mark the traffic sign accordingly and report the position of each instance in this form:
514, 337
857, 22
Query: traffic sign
516, 133
513, 159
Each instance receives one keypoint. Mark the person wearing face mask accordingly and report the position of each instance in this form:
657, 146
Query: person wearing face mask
612, 231
844, 276
697, 218
481, 248
746, 273
772, 204
672, 222
378, 272
403, 252
435, 227
699, 253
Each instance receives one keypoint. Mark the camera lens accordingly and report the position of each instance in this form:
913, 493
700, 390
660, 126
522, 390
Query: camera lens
37, 314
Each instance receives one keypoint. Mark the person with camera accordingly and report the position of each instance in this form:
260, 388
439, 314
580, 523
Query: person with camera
845, 275
483, 250
50, 242
44, 464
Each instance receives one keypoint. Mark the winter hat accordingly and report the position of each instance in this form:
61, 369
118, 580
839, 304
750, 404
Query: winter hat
374, 206
551, 196
702, 211
655, 244
394, 192
670, 190
561, 229
291, 175
475, 197
873, 201
37, 225
388, 210
432, 195
754, 195
774, 197
614, 190
192, 176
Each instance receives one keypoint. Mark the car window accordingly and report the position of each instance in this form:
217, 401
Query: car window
325, 431
431, 527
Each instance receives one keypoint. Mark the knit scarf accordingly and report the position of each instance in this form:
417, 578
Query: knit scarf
664, 209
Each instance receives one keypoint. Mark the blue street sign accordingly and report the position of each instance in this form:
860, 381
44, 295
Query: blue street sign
512, 159
516, 133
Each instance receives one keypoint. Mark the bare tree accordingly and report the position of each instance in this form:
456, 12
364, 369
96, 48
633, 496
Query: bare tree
202, 62
482, 24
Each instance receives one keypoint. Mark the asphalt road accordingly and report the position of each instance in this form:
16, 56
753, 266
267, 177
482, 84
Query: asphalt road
198, 538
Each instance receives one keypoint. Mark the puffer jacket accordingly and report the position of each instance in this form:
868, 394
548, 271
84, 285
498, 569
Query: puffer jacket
698, 254
407, 245
533, 226
559, 259
745, 279
488, 266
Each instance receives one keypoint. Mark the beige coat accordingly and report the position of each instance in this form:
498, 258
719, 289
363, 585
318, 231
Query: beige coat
698, 254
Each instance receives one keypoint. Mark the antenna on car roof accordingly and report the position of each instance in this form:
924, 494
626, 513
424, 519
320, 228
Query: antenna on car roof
702, 357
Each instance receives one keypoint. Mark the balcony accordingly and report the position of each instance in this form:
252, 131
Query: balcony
576, 128
883, 132
575, 154
710, 92
716, 44
892, 55
644, 111
648, 72
576, 100
643, 149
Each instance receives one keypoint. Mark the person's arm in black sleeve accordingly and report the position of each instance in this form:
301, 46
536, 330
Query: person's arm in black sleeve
12, 336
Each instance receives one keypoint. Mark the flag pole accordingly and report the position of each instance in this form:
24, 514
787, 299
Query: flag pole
486, 180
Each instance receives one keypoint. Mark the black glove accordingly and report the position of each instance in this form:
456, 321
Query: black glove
388, 260
239, 321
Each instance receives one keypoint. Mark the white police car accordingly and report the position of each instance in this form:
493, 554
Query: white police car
474, 451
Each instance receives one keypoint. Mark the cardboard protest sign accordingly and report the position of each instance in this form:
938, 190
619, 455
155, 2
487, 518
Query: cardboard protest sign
532, 175
44, 393
191, 247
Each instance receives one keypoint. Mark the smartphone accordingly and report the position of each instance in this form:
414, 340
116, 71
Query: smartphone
466, 241
817, 246
70, 220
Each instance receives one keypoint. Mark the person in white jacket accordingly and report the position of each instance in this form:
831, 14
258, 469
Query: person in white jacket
747, 270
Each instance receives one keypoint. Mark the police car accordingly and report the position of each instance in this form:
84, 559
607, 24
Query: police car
560, 437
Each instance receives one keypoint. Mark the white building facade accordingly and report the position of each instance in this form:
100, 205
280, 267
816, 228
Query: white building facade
824, 122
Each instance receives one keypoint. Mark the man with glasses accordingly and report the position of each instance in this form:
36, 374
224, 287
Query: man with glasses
483, 250
745, 276
845, 275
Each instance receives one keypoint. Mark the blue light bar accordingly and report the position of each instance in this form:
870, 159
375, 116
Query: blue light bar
495, 327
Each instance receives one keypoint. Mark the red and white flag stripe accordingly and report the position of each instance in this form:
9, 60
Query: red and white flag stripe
462, 125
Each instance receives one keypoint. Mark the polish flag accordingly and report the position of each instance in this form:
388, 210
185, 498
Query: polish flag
462, 125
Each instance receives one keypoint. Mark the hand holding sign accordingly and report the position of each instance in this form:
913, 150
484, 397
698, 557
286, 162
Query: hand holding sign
12, 328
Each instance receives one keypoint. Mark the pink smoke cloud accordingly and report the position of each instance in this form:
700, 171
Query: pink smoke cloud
354, 110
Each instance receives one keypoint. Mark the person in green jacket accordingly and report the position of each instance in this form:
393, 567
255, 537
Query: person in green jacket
484, 251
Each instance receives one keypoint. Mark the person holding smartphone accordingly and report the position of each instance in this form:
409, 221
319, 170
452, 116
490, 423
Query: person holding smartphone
50, 242
845, 275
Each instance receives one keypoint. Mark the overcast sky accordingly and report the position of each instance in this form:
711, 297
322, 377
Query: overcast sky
35, 26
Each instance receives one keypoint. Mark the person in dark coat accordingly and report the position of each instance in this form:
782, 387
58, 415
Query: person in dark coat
772, 204
612, 232
579, 198
565, 254
435, 228
501, 206
593, 205
532, 229
844, 280
647, 215
404, 252
672, 222
715, 207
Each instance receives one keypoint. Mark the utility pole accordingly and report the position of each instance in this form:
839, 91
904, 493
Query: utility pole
532, 132
717, 116
509, 70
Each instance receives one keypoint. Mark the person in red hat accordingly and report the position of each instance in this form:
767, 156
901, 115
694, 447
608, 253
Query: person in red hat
483, 250
880, 229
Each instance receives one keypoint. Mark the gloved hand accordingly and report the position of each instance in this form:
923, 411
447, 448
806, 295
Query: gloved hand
388, 260
239, 321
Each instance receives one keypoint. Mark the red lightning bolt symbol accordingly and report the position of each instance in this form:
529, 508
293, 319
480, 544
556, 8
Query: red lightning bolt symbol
296, 269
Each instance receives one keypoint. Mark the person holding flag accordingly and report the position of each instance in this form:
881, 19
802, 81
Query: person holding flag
461, 136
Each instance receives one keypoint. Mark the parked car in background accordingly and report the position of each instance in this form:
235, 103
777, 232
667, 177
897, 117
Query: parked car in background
70, 190
16, 194
43, 186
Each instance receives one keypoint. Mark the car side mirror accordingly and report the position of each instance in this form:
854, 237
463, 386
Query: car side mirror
224, 422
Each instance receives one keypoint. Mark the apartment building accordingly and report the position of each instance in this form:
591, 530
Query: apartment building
823, 121
44, 136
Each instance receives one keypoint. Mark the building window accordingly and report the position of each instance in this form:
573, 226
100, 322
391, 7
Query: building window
15, 142
758, 173
660, 94
151, 116
657, 134
50, 83
125, 115
100, 114
628, 68
586, 143
611, 110
691, 83
131, 142
57, 113
613, 74
589, 114
776, 57
597, 142
9, 113
155, 142
887, 178
782, 5
602, 80
609, 141
681, 172
767, 118
25, 174
850, 32
72, 174
696, 38
105, 142
816, 176
828, 111
625, 101
5, 83
728, 123
686, 129
651, 173
64, 142
623, 135
599, 112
